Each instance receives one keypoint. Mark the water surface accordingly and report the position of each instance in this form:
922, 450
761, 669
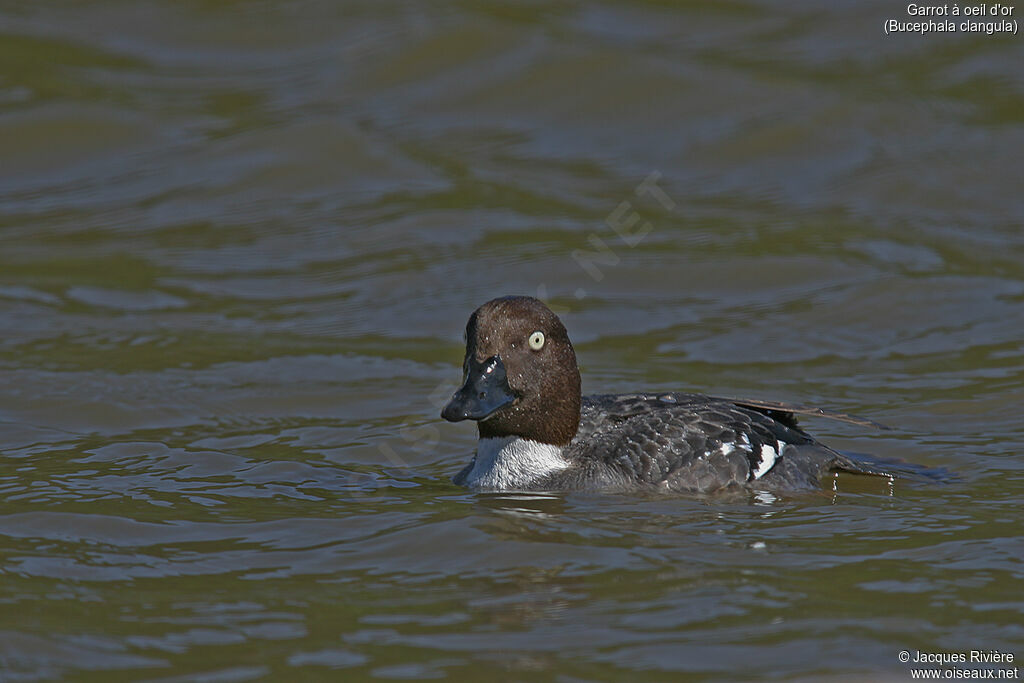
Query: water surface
238, 246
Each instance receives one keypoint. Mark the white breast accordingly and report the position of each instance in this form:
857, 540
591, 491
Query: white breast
510, 462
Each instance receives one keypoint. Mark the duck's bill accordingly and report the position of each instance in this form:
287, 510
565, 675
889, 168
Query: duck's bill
484, 392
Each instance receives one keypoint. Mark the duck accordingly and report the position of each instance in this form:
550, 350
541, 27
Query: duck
536, 432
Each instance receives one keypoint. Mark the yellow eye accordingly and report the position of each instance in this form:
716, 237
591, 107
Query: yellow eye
537, 340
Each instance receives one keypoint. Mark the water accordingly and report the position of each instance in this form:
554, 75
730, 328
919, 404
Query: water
238, 246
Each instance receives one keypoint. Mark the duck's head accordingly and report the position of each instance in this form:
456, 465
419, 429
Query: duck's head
520, 374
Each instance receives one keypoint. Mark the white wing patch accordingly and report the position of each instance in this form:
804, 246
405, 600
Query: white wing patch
768, 457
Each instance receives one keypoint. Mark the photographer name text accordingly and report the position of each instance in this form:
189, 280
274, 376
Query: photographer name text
970, 656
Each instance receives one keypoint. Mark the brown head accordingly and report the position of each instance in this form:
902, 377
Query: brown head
520, 371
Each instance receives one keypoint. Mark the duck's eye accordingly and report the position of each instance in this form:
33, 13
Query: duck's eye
537, 340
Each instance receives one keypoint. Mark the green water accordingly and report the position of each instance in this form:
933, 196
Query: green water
238, 246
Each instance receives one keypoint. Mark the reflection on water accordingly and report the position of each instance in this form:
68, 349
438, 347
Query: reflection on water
238, 246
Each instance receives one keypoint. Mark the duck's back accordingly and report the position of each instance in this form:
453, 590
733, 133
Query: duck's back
694, 443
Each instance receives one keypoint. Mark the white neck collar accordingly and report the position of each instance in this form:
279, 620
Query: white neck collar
511, 462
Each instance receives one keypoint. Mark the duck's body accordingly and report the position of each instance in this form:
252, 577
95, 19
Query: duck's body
675, 442
538, 433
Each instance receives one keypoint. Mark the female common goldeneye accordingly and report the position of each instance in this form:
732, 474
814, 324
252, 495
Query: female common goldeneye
522, 387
